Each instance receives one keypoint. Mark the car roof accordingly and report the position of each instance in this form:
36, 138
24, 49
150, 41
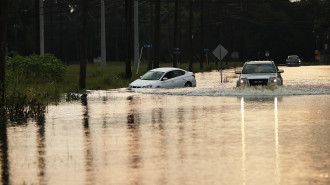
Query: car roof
293, 56
166, 69
260, 62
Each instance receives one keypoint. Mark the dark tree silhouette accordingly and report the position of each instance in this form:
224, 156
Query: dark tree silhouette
151, 33
37, 27
190, 36
157, 34
202, 36
175, 38
3, 45
82, 76
129, 36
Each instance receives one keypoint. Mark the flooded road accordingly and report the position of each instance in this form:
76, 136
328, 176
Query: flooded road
211, 134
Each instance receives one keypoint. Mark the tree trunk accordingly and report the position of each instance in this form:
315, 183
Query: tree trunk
129, 38
3, 46
82, 77
37, 27
151, 34
190, 37
175, 40
202, 36
157, 34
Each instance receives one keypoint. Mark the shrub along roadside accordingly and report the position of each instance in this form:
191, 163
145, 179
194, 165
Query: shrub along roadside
31, 83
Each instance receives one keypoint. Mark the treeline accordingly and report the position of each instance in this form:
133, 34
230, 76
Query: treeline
249, 27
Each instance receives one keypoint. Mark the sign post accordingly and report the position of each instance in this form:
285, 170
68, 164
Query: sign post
267, 54
139, 59
220, 52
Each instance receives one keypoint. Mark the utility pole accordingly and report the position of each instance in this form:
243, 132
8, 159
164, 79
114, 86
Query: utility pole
103, 41
41, 20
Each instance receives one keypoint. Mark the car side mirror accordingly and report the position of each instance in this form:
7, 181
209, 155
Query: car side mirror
165, 78
280, 71
140, 77
238, 72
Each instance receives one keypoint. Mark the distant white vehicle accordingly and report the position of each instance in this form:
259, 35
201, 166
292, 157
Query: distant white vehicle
166, 77
263, 73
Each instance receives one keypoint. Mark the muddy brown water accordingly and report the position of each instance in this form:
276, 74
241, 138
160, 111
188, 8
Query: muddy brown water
211, 134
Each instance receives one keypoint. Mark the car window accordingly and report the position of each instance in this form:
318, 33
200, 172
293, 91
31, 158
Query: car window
258, 68
178, 73
152, 75
169, 75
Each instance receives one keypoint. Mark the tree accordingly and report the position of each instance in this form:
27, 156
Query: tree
129, 37
37, 27
202, 35
157, 34
3, 45
175, 40
190, 36
82, 76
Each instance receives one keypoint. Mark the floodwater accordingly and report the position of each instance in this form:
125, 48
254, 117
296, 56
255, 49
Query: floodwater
212, 134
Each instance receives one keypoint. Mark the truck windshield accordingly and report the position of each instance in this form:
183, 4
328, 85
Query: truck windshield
258, 68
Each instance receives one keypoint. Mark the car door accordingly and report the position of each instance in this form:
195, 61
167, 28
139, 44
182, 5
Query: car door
179, 78
168, 80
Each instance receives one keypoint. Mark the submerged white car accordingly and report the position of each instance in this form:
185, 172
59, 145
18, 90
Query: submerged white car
263, 73
166, 77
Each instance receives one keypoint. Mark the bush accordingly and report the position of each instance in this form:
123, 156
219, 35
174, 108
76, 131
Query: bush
34, 67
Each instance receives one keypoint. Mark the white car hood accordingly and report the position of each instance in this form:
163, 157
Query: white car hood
142, 83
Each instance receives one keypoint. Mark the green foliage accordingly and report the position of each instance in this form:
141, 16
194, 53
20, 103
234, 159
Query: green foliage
31, 83
20, 107
33, 68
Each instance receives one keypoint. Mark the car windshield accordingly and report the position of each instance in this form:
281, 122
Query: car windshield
152, 75
258, 68
293, 58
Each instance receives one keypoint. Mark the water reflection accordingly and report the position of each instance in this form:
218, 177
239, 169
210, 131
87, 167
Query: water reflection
277, 167
41, 151
130, 138
159, 125
245, 155
243, 142
89, 170
4, 151
134, 138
